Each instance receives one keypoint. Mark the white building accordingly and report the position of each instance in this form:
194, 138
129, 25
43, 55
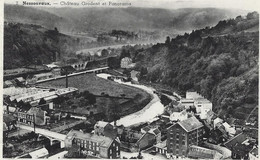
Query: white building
231, 130
203, 106
179, 116
126, 62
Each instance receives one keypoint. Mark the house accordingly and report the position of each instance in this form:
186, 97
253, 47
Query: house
56, 72
145, 129
105, 129
197, 152
187, 102
94, 145
9, 122
41, 153
240, 146
202, 106
193, 95
216, 121
183, 134
179, 116
38, 77
147, 140
8, 84
253, 154
20, 81
157, 133
8, 125
33, 115
230, 130
161, 147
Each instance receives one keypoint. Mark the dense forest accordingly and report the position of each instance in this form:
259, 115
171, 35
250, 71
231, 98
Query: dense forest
220, 62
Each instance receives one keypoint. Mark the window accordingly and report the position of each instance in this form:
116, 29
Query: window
97, 148
110, 151
117, 148
183, 142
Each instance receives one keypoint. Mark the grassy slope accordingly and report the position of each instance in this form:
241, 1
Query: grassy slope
98, 85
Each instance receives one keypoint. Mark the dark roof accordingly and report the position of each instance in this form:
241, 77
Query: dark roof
237, 139
156, 131
254, 151
146, 128
8, 118
190, 124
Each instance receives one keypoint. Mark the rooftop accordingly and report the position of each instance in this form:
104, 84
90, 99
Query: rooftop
190, 124
102, 140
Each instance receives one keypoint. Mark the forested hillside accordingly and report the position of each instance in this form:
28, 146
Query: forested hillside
91, 20
26, 44
219, 62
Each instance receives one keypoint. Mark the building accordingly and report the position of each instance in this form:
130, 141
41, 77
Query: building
41, 153
8, 125
197, 152
105, 129
240, 146
179, 116
217, 121
161, 148
202, 106
56, 72
253, 154
8, 83
230, 130
147, 140
94, 145
183, 134
33, 115
39, 77
187, 102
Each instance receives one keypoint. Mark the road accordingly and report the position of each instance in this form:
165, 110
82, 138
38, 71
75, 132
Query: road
147, 114
45, 132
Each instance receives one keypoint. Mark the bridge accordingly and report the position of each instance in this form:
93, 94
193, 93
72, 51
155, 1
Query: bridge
96, 70
47, 133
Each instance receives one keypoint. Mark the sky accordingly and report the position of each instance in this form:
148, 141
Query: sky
169, 4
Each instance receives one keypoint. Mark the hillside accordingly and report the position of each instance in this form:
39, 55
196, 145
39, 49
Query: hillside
26, 44
91, 20
219, 62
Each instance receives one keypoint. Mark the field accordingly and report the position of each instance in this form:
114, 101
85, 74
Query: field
97, 86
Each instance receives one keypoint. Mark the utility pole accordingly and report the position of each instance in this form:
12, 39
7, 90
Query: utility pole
34, 123
67, 81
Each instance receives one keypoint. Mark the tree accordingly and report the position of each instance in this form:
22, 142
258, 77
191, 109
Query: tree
168, 40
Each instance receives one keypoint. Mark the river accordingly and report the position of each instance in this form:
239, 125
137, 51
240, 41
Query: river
147, 114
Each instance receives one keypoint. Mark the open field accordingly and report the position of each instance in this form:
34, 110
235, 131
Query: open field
96, 86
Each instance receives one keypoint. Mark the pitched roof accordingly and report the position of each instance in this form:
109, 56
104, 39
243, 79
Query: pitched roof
155, 131
161, 145
190, 124
146, 128
102, 140
200, 152
254, 151
240, 138
8, 118
101, 124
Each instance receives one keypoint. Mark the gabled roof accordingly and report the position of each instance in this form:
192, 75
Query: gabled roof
240, 138
101, 124
8, 118
146, 128
154, 131
190, 124
102, 140
254, 151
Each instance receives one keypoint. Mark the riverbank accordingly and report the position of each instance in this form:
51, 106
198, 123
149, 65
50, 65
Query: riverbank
153, 109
